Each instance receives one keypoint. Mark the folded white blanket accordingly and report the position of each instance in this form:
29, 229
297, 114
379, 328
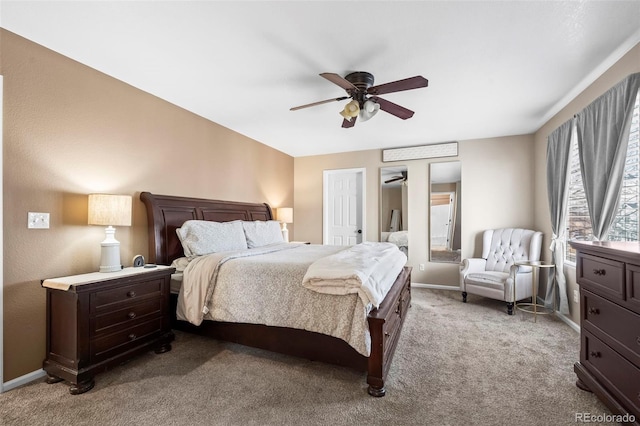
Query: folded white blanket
369, 269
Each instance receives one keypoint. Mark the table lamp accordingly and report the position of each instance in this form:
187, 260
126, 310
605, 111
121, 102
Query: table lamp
110, 210
285, 215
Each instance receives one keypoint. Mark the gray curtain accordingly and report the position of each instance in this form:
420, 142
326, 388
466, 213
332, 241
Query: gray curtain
558, 152
603, 136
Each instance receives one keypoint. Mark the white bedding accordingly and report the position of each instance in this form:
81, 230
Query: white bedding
368, 269
264, 286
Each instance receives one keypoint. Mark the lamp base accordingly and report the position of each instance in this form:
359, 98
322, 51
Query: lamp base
285, 234
110, 253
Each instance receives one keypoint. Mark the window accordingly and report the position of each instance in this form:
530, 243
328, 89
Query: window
627, 220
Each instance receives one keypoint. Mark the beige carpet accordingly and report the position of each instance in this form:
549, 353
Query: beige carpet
456, 364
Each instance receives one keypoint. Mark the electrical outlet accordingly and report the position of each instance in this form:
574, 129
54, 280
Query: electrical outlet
576, 296
38, 220
422, 266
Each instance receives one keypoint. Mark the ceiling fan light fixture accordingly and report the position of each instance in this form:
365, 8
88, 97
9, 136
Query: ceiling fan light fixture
369, 109
350, 110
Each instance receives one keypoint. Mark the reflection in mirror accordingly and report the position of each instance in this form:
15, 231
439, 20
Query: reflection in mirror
394, 227
445, 180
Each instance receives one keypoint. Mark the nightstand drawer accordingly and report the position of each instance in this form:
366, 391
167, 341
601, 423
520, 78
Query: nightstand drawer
602, 276
125, 295
123, 318
605, 319
103, 347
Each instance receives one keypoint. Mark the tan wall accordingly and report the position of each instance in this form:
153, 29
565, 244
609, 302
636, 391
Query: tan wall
628, 64
69, 131
497, 184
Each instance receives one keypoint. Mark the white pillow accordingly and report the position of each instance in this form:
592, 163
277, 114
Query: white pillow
261, 233
200, 237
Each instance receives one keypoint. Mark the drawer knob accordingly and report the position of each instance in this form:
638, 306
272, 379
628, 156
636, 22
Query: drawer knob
594, 311
131, 315
601, 272
132, 336
595, 354
131, 294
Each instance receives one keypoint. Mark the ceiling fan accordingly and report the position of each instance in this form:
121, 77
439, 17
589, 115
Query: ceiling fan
365, 101
403, 178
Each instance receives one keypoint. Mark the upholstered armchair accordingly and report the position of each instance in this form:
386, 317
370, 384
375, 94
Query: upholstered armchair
494, 274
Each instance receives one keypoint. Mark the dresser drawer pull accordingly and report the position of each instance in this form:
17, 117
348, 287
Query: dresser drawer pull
594, 311
131, 315
132, 336
131, 294
595, 354
601, 272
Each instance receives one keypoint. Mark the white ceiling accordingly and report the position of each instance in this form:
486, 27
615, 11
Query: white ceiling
494, 68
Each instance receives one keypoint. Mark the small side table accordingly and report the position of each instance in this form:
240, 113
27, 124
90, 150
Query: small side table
534, 307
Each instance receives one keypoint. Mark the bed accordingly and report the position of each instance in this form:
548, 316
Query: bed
166, 213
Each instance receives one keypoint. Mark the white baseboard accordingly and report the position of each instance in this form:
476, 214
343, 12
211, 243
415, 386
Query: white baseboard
569, 322
23, 380
435, 286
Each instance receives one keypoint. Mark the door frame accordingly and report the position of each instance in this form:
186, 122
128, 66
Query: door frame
325, 199
1, 245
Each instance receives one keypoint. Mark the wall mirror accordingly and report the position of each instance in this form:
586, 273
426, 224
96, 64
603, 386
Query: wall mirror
394, 182
445, 181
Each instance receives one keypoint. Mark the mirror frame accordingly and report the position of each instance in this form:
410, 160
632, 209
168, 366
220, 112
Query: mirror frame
448, 175
401, 239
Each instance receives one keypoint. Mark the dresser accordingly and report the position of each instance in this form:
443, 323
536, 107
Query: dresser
608, 274
98, 320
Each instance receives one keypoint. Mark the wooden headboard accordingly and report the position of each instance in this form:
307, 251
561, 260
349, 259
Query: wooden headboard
166, 213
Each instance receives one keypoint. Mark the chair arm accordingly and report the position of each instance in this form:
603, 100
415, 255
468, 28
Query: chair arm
468, 266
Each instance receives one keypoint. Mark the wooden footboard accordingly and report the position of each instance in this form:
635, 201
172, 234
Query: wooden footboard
385, 324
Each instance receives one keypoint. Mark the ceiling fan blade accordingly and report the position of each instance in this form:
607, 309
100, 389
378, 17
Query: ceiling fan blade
347, 124
399, 85
393, 109
342, 98
340, 81
393, 179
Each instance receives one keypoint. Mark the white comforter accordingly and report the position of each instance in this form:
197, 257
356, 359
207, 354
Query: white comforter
264, 286
368, 269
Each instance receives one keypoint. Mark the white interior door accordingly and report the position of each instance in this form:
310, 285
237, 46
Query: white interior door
343, 205
441, 220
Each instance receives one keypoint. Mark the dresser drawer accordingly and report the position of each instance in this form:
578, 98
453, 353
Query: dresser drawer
125, 295
618, 326
123, 318
103, 347
619, 376
633, 287
602, 276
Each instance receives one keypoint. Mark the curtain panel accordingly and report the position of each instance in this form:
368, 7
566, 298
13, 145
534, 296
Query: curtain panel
558, 152
603, 136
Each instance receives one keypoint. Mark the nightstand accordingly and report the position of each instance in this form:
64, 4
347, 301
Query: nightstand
102, 319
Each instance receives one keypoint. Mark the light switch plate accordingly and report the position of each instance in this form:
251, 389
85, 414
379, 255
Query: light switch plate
37, 220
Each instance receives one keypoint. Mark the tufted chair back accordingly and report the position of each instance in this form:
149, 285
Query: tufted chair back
503, 247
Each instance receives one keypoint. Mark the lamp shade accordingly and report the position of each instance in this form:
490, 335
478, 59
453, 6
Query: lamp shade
350, 110
369, 109
110, 210
285, 214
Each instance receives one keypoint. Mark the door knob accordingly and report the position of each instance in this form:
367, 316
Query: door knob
359, 231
